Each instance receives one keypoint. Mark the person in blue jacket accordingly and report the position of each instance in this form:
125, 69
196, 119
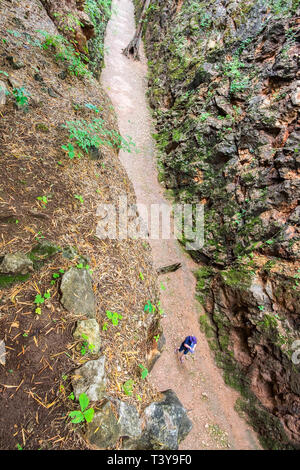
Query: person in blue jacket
188, 345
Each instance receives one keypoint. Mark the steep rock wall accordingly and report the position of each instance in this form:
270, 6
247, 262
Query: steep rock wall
224, 88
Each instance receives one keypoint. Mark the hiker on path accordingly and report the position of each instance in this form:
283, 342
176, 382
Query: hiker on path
189, 344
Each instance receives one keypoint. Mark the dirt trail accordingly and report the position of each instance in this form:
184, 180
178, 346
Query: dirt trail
198, 383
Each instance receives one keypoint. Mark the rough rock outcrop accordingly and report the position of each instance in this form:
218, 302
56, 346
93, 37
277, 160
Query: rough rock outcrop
162, 425
224, 88
71, 20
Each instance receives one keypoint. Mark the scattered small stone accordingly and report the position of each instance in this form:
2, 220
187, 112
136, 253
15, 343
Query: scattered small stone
63, 75
52, 93
38, 77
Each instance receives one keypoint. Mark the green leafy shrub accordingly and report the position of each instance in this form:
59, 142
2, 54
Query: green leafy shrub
93, 134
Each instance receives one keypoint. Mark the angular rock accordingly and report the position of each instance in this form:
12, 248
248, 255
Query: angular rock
77, 292
44, 249
89, 328
90, 379
15, 64
129, 420
104, 430
16, 263
166, 424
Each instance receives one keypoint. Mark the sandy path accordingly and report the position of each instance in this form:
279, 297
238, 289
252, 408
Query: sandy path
198, 383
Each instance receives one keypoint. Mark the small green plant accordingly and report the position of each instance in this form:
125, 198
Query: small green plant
56, 276
85, 347
70, 150
43, 199
80, 198
39, 300
156, 338
114, 317
15, 33
83, 414
149, 307
232, 70
296, 277
141, 276
144, 372
92, 107
204, 116
82, 266
21, 96
39, 236
261, 307
128, 387
160, 309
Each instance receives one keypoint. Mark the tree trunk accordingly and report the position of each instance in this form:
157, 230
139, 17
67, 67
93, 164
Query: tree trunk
133, 46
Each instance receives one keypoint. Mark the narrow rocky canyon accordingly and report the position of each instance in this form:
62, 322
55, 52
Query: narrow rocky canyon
95, 295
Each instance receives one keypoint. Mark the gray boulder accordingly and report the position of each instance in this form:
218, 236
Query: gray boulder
90, 379
77, 292
166, 424
104, 430
129, 420
115, 419
16, 263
